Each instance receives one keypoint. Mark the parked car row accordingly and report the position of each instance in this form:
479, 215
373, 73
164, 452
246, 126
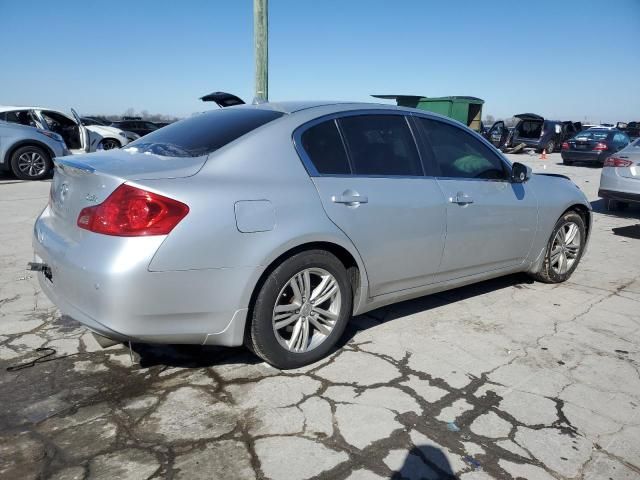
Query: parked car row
78, 135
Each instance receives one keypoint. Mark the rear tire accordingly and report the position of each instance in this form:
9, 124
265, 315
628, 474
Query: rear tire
291, 303
567, 162
31, 163
564, 249
551, 146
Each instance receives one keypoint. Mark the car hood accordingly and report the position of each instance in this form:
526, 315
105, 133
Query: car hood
128, 164
104, 130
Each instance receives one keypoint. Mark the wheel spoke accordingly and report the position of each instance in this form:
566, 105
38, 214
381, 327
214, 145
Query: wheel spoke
563, 263
571, 233
325, 313
332, 291
286, 308
320, 326
555, 254
295, 335
306, 285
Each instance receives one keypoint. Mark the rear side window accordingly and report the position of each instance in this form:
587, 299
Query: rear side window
204, 133
324, 147
381, 145
459, 154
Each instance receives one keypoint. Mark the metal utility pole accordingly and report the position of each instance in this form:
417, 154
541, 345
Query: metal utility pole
261, 49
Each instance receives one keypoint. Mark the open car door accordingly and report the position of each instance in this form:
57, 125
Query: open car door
82, 132
498, 134
223, 99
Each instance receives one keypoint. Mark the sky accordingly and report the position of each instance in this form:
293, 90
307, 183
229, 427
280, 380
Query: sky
570, 59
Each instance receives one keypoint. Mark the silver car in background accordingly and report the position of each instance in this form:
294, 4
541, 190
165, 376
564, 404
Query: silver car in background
28, 152
271, 225
620, 178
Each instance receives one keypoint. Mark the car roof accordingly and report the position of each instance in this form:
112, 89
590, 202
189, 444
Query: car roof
8, 108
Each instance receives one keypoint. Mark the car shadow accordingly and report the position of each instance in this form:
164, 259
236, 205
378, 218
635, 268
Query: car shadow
204, 356
630, 231
600, 206
427, 461
429, 302
191, 356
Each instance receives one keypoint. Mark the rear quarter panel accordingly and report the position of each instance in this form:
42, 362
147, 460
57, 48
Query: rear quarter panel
262, 166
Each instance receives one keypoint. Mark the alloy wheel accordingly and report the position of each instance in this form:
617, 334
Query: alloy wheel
565, 248
306, 310
32, 164
109, 144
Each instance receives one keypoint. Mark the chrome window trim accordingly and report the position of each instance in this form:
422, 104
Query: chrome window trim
310, 167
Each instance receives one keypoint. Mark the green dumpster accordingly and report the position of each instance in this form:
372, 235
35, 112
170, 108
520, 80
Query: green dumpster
467, 110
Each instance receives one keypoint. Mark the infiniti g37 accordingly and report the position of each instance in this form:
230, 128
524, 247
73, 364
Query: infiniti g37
272, 225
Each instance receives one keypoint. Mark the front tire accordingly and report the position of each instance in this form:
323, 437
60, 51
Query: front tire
108, 144
31, 163
301, 310
564, 249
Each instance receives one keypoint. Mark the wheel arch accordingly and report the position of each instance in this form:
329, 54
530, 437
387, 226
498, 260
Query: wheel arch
25, 143
585, 214
348, 256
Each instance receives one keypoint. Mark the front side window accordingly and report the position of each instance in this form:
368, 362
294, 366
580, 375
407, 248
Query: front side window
381, 145
204, 133
324, 147
459, 154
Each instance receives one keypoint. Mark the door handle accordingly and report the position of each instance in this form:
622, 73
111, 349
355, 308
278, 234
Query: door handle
349, 198
461, 198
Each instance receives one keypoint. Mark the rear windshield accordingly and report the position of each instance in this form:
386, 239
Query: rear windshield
592, 135
203, 133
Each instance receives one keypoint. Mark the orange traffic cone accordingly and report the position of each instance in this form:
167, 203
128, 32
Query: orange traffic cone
543, 155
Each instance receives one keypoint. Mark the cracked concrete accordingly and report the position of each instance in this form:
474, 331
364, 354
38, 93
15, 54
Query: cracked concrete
505, 379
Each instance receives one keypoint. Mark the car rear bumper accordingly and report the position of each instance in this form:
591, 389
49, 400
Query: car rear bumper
588, 156
106, 285
617, 187
619, 196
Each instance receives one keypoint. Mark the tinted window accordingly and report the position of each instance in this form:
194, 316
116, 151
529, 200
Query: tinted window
324, 147
204, 133
23, 117
381, 145
459, 154
587, 135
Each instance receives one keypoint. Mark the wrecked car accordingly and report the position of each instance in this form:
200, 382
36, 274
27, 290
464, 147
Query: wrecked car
78, 137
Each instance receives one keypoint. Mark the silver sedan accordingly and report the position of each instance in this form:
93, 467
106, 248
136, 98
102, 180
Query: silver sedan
271, 225
620, 178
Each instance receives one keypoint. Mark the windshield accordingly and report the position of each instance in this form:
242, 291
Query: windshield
592, 135
203, 133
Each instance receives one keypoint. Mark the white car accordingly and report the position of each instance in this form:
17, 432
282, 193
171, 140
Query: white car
79, 138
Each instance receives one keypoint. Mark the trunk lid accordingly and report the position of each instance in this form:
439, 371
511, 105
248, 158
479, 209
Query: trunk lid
529, 116
86, 180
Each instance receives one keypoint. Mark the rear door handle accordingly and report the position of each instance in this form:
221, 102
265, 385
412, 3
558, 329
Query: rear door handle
349, 198
461, 198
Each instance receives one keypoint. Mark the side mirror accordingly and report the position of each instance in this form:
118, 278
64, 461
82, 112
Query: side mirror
520, 173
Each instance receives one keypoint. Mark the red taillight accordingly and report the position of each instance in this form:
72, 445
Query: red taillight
617, 162
600, 147
133, 212
565, 145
